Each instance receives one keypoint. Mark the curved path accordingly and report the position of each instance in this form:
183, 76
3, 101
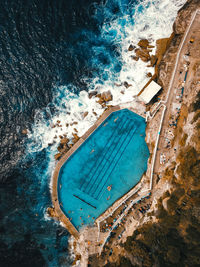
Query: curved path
168, 100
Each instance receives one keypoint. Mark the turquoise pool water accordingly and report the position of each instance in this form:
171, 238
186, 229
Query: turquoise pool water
114, 155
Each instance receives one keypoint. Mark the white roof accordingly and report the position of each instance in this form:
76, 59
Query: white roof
149, 92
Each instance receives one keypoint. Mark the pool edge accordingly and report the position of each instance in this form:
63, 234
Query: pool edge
54, 195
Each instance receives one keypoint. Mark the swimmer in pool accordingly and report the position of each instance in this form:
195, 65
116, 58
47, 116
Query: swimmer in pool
116, 119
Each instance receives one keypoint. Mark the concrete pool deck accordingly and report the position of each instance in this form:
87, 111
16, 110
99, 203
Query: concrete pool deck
58, 211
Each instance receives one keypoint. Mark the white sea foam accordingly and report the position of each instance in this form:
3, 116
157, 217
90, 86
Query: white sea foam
153, 22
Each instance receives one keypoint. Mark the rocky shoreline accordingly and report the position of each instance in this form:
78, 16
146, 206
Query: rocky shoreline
154, 60
141, 52
163, 62
186, 141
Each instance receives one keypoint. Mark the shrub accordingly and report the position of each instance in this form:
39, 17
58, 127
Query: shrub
196, 104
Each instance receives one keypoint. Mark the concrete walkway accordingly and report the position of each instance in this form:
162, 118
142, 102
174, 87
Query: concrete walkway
170, 95
120, 218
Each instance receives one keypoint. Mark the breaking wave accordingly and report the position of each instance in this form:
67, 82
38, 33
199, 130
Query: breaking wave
110, 64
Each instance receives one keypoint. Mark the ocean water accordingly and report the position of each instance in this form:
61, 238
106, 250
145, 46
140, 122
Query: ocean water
109, 157
52, 53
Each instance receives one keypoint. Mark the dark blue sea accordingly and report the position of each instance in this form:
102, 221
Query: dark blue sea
52, 53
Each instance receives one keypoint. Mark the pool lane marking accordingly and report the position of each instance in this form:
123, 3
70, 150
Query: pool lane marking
100, 193
62, 216
112, 157
109, 148
108, 152
85, 201
97, 163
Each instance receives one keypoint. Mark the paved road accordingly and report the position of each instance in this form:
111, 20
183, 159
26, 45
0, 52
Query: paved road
175, 81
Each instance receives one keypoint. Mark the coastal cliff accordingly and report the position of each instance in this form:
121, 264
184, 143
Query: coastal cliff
169, 234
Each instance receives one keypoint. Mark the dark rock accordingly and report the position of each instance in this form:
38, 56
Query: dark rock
63, 148
143, 54
135, 58
131, 47
50, 144
75, 138
58, 156
51, 212
60, 148
25, 131
150, 46
73, 123
149, 74
107, 96
144, 43
104, 97
85, 114
92, 93
127, 85
153, 60
64, 141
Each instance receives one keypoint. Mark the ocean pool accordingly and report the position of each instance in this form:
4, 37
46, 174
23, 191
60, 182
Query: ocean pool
113, 157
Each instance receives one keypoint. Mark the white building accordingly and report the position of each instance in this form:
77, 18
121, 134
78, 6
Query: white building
149, 92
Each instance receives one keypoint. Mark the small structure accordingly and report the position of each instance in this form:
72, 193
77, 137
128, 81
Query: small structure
149, 92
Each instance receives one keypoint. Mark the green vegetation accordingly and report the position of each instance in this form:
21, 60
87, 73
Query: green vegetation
196, 116
189, 168
125, 262
183, 140
174, 239
196, 105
